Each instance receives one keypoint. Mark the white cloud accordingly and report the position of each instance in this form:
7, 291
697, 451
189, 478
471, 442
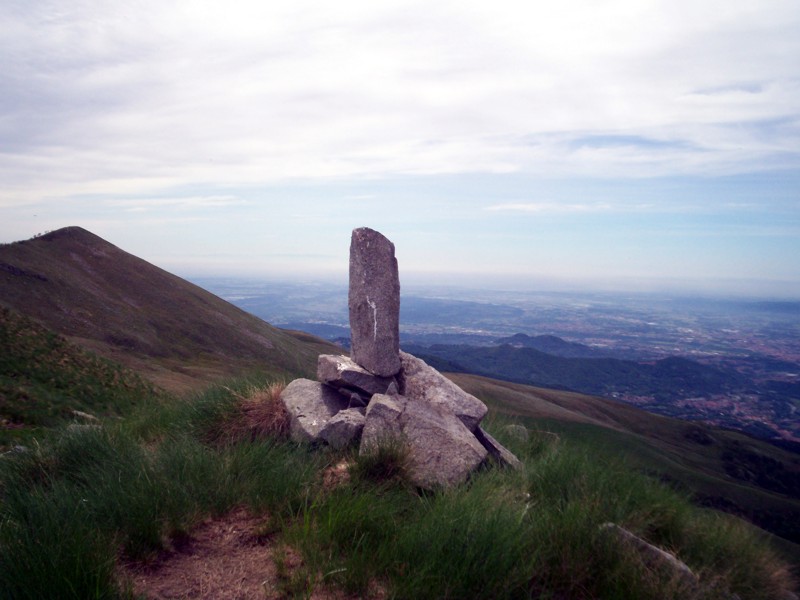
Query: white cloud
549, 207
134, 98
175, 203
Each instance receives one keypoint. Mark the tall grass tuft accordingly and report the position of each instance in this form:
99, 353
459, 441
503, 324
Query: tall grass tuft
274, 476
50, 547
467, 542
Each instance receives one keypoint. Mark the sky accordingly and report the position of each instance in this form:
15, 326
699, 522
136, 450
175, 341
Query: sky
614, 144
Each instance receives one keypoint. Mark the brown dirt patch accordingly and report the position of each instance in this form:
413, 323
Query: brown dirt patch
224, 558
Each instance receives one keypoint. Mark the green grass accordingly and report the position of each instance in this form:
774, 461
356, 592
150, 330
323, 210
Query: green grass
535, 533
723, 469
71, 504
44, 379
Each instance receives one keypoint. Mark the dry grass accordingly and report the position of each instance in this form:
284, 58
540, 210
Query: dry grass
265, 414
260, 415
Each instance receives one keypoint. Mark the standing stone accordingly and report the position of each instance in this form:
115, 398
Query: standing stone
374, 303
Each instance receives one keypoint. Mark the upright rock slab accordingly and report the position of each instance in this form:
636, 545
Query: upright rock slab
374, 302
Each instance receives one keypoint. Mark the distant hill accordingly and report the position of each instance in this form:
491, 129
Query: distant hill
664, 379
551, 344
176, 334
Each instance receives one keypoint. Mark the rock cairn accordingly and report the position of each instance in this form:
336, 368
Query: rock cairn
380, 393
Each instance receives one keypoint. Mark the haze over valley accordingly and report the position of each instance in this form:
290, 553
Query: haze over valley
742, 367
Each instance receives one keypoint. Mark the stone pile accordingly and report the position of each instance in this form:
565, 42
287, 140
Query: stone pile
380, 394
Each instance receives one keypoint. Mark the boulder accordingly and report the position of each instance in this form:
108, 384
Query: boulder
374, 303
311, 405
496, 450
344, 428
442, 452
343, 372
422, 382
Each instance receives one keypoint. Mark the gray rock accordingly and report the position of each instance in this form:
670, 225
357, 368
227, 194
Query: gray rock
654, 555
344, 428
17, 449
311, 405
422, 382
496, 450
374, 302
442, 452
343, 372
518, 432
84, 415
355, 400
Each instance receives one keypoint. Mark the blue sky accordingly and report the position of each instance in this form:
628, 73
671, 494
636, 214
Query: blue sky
628, 144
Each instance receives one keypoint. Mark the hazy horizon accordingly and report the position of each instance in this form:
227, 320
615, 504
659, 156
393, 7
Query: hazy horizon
451, 285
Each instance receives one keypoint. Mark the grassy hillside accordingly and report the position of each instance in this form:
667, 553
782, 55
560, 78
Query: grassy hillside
176, 334
720, 468
110, 511
44, 379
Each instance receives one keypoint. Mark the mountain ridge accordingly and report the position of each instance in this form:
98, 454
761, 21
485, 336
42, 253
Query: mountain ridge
126, 309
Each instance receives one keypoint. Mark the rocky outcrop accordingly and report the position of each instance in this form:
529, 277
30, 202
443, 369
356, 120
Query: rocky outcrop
441, 450
310, 405
374, 303
344, 373
418, 380
344, 428
381, 395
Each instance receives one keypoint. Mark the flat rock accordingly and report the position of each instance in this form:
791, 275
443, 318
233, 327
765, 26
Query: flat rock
420, 381
442, 451
496, 450
343, 372
344, 428
311, 405
374, 303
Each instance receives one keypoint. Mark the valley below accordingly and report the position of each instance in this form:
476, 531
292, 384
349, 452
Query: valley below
733, 363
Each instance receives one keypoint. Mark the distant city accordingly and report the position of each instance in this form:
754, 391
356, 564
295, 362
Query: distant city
742, 372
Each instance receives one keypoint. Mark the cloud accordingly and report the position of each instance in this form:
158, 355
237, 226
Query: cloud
136, 97
549, 207
175, 203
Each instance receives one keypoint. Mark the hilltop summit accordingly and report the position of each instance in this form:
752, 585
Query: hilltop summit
178, 334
